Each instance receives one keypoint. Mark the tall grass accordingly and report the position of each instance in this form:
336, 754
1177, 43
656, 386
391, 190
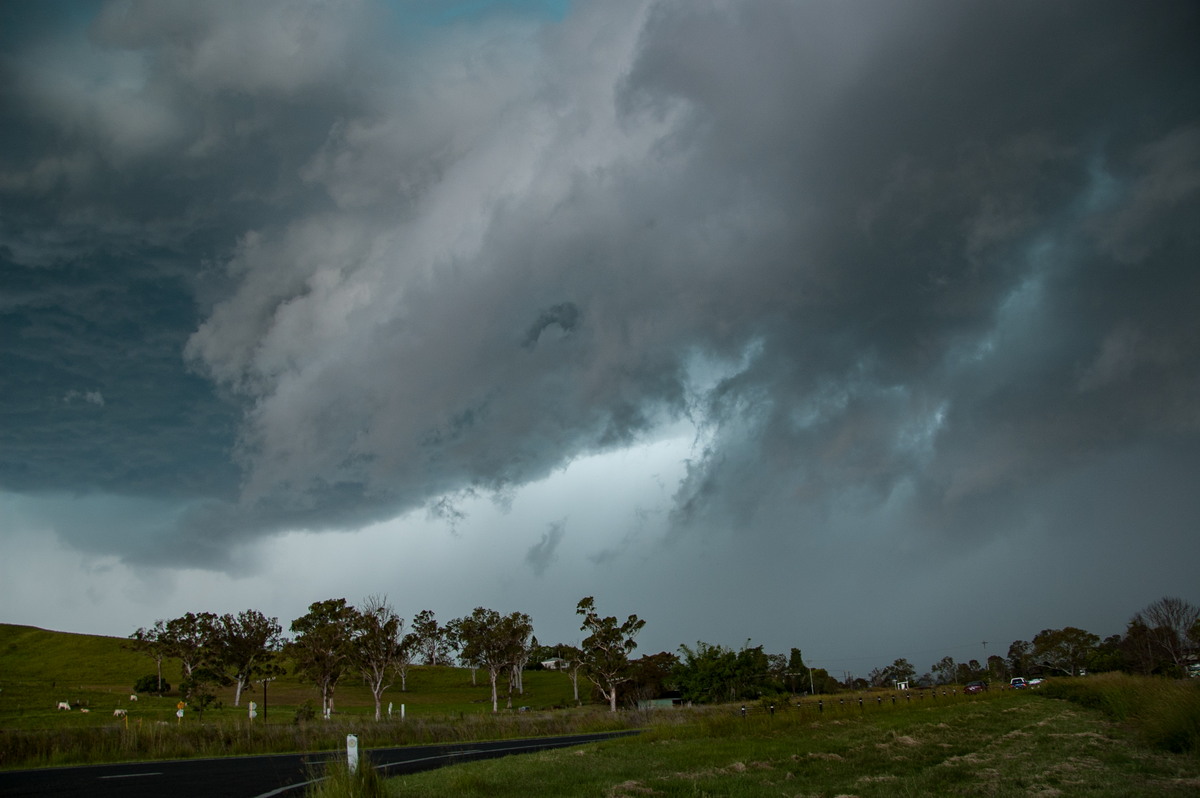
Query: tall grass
44, 747
1165, 711
338, 781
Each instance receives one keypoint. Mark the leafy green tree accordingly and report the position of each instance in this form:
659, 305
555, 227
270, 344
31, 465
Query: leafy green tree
997, 668
244, 644
432, 644
519, 628
1066, 650
705, 673
377, 647
321, 647
1139, 649
1108, 656
651, 675
199, 685
1020, 657
798, 672
572, 656
490, 641
823, 682
193, 639
607, 648
899, 671
944, 670
154, 643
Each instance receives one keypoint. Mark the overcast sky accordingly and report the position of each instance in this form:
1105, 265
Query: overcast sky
865, 327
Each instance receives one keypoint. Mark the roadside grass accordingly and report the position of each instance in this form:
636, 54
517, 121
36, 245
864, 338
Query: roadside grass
1165, 711
1002, 744
337, 781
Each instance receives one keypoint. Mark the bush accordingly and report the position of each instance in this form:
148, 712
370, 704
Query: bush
149, 684
305, 712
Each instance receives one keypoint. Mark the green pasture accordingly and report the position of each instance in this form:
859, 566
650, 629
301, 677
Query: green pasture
39, 668
1005, 743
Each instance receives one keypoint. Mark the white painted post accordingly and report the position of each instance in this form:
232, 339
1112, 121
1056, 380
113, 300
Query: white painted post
352, 752
389, 709
401, 712
253, 710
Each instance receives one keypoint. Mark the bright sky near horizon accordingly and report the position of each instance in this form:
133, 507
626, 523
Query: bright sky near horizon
868, 328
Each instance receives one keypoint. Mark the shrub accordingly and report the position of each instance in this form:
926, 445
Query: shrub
305, 712
149, 684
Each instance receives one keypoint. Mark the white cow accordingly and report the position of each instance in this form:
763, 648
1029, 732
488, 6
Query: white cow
118, 713
64, 705
133, 697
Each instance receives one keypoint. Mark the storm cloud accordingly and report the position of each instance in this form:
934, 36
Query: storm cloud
909, 272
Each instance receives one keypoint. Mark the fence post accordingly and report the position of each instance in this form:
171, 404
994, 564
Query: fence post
352, 752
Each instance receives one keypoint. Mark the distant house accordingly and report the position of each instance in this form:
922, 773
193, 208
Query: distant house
668, 699
555, 664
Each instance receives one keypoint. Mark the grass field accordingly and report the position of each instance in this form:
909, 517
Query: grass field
39, 668
1005, 744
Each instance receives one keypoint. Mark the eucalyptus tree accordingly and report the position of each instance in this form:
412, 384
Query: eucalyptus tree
194, 640
1066, 649
321, 648
573, 657
433, 644
376, 646
945, 670
518, 629
493, 642
606, 649
245, 644
153, 642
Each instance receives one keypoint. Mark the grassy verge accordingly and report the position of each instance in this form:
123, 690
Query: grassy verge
1165, 712
1002, 744
114, 743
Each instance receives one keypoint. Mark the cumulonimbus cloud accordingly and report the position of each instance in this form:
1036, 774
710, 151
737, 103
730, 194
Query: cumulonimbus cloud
936, 251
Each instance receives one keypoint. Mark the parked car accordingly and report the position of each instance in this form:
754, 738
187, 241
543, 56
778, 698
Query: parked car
976, 687
1017, 683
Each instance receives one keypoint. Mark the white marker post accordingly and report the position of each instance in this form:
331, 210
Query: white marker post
253, 710
352, 752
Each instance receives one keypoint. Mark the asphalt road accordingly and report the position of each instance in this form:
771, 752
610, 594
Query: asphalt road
256, 776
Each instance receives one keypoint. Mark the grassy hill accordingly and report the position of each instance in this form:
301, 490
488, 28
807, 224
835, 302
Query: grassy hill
39, 668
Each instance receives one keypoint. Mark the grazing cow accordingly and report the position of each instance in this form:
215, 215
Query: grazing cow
133, 697
64, 705
85, 709
118, 713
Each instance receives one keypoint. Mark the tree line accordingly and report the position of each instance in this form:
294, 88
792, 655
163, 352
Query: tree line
334, 639
1161, 639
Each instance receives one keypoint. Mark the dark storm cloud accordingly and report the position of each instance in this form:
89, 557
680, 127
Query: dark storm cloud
899, 262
